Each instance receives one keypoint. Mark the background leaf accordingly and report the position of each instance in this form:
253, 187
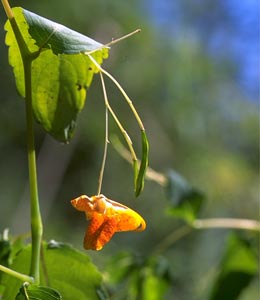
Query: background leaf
120, 266
157, 279
63, 268
185, 200
239, 266
146, 279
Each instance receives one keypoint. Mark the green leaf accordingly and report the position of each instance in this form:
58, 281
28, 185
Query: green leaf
63, 268
185, 200
154, 287
32, 292
139, 183
60, 39
61, 74
59, 91
237, 269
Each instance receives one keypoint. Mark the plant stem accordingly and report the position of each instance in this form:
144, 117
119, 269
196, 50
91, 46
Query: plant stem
17, 275
124, 132
7, 9
36, 222
130, 103
101, 174
214, 223
231, 223
114, 41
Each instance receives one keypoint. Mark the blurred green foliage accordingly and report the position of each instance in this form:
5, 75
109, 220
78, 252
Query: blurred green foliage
61, 265
238, 266
198, 120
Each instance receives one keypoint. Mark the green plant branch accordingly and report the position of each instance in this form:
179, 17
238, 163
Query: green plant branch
124, 132
138, 119
139, 174
101, 174
36, 222
7, 9
25, 52
212, 223
17, 275
231, 223
114, 41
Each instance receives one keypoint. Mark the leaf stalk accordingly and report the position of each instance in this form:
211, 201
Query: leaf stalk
124, 132
20, 276
130, 103
138, 173
101, 174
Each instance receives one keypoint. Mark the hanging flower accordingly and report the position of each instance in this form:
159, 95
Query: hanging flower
106, 217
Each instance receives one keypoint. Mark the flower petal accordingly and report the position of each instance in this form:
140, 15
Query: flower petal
99, 232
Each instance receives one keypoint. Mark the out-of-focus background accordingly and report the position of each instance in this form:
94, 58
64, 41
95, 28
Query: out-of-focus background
193, 75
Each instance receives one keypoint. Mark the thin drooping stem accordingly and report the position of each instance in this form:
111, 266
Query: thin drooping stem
130, 103
126, 136
101, 174
114, 41
139, 173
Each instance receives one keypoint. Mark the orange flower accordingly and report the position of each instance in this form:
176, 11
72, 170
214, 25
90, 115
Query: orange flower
106, 217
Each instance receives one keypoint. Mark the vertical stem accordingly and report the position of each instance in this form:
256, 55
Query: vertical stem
7, 9
36, 222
